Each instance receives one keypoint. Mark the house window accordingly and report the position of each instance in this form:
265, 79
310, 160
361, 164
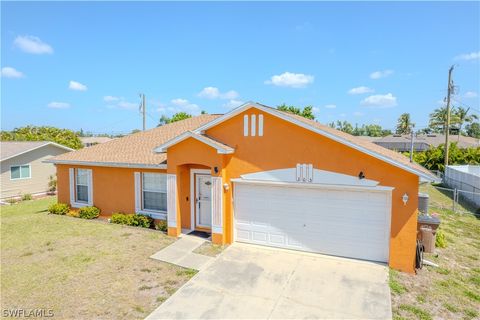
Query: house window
154, 192
82, 185
20, 172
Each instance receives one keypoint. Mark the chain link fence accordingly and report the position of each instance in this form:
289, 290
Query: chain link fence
456, 200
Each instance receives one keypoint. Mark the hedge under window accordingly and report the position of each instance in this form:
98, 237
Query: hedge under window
20, 172
154, 190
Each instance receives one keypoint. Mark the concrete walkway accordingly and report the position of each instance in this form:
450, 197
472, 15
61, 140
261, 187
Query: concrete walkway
250, 282
181, 253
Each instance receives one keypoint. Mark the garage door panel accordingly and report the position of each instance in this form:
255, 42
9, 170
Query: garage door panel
345, 223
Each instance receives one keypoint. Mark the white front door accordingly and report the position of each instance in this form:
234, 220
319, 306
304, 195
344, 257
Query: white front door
203, 200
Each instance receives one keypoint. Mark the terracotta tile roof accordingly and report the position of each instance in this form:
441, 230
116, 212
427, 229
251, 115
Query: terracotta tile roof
135, 149
393, 155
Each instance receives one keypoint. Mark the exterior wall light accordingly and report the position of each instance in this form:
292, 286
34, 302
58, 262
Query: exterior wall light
405, 199
226, 186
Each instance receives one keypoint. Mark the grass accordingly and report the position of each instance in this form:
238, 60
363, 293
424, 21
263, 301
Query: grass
452, 290
79, 268
209, 249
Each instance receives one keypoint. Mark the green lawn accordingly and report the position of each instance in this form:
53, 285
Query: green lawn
451, 291
81, 268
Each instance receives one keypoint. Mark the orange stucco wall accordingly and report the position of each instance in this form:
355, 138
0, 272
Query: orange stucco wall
283, 145
113, 188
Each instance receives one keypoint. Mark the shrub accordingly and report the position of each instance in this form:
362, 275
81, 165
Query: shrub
59, 208
440, 240
27, 196
52, 184
161, 225
88, 212
136, 220
73, 213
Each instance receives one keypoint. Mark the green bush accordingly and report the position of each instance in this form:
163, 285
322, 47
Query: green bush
59, 208
161, 225
136, 220
27, 196
440, 240
88, 212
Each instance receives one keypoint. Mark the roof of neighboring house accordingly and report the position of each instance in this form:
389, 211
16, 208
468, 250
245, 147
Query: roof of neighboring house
10, 149
86, 140
432, 140
135, 150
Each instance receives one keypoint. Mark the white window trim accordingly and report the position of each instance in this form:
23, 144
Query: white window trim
73, 189
160, 214
21, 165
254, 124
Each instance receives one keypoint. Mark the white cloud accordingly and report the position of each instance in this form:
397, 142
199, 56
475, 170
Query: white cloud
470, 94
77, 86
58, 105
110, 98
31, 44
380, 74
468, 56
380, 101
9, 72
128, 105
360, 90
330, 106
292, 80
232, 104
215, 93
184, 105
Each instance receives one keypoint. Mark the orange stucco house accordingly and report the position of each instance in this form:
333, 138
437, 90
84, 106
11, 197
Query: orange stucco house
257, 175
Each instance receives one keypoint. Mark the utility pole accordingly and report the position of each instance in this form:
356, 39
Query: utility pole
143, 110
447, 124
412, 137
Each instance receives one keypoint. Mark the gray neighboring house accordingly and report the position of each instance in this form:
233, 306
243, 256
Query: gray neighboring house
423, 142
22, 167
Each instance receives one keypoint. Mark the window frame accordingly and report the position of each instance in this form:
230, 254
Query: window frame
142, 190
20, 168
82, 202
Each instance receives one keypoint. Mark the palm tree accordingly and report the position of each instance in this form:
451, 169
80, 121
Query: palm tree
438, 119
463, 117
404, 124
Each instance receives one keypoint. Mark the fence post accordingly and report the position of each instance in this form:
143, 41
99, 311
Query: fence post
454, 199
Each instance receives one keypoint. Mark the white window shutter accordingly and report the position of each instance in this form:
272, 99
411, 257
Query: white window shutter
260, 125
245, 125
90, 187
71, 172
253, 125
138, 192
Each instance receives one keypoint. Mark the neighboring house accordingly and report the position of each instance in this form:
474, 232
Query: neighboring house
91, 141
423, 142
261, 176
22, 167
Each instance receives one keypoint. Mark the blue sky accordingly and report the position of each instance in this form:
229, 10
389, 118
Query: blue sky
82, 64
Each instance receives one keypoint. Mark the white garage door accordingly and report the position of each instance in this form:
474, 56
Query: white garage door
353, 224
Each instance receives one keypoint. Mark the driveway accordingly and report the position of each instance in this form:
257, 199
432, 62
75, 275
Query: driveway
248, 281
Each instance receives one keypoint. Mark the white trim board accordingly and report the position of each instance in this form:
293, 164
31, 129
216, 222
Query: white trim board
38, 147
190, 134
285, 117
192, 193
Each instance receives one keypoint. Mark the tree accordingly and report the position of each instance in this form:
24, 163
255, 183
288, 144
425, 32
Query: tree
64, 137
438, 119
473, 130
433, 158
374, 130
463, 117
404, 124
176, 117
344, 126
306, 112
